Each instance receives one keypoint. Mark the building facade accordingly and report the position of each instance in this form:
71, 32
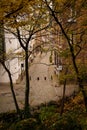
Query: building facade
14, 58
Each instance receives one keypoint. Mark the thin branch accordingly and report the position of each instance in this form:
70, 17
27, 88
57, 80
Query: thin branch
19, 38
41, 29
80, 48
13, 12
78, 51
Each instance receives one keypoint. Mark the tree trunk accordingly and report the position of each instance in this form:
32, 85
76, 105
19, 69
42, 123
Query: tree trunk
63, 98
12, 90
81, 86
80, 81
27, 89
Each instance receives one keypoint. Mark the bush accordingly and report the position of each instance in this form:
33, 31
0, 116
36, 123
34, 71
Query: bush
66, 123
51, 120
3, 126
8, 117
25, 124
46, 113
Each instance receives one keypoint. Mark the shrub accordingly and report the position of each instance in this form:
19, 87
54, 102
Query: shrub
25, 124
